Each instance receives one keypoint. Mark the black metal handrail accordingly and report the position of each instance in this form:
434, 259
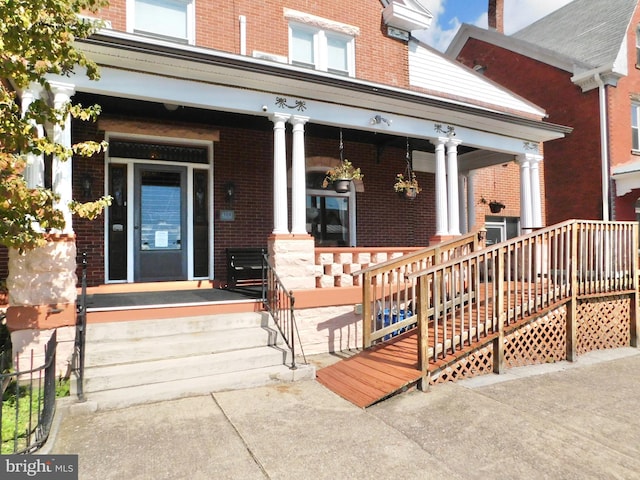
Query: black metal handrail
81, 325
280, 302
34, 390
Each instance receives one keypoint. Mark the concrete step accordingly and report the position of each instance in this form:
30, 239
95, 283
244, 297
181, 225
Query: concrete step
97, 332
156, 392
111, 377
144, 349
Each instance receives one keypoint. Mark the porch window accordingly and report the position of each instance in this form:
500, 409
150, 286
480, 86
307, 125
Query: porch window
329, 214
321, 50
635, 126
170, 19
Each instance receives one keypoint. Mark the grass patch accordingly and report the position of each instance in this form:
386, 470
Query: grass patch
21, 407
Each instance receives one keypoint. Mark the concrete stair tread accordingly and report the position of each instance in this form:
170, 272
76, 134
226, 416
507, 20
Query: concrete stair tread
111, 331
156, 392
110, 377
180, 345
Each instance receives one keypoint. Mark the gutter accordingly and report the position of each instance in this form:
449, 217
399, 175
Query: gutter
604, 147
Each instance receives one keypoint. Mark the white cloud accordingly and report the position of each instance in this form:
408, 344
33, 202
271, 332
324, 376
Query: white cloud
520, 13
517, 14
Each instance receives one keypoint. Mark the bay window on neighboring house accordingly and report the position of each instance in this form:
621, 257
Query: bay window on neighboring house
635, 127
165, 19
321, 44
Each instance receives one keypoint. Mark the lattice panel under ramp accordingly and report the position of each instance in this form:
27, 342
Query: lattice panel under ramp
603, 323
478, 362
542, 341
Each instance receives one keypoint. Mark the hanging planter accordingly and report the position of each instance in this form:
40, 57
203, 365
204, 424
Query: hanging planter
406, 183
407, 186
341, 176
494, 205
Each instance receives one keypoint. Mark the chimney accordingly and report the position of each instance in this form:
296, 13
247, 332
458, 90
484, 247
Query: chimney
496, 15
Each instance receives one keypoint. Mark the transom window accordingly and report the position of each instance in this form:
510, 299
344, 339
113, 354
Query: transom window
635, 126
321, 50
170, 19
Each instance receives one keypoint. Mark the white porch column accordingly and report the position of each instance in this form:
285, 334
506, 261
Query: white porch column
536, 196
526, 212
452, 187
471, 200
442, 226
61, 170
34, 171
298, 178
280, 212
462, 199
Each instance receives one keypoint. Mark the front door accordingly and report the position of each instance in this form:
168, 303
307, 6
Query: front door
160, 226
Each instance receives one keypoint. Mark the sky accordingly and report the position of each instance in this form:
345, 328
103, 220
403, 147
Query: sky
448, 15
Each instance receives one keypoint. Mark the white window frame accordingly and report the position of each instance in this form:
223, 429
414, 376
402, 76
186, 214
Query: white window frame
320, 46
635, 127
350, 195
191, 22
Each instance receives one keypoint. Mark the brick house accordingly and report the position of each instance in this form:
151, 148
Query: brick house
580, 63
222, 120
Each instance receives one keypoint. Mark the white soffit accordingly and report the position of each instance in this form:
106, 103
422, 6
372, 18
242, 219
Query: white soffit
406, 15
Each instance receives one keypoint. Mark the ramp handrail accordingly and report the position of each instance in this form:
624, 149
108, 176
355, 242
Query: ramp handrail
389, 297
507, 282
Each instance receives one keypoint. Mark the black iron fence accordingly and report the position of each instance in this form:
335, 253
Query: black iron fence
28, 403
77, 360
280, 302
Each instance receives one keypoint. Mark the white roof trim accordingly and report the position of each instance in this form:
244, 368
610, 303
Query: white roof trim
407, 15
627, 177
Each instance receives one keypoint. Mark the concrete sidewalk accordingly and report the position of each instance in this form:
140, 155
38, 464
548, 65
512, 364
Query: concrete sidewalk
553, 421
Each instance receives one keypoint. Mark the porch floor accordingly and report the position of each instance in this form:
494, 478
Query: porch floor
130, 300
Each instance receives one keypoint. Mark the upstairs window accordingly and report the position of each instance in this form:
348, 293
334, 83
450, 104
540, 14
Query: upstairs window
635, 126
321, 50
638, 47
165, 19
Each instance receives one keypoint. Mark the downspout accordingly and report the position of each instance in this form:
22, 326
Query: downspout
604, 147
243, 34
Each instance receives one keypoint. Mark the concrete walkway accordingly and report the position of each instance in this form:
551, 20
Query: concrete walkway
560, 421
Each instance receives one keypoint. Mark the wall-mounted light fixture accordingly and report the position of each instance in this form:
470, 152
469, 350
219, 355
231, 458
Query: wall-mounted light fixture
87, 185
229, 192
378, 119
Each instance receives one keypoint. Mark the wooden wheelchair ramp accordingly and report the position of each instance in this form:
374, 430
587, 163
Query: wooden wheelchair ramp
374, 374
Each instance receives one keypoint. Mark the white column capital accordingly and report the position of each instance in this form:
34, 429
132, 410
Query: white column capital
439, 141
279, 117
296, 120
62, 92
453, 142
529, 158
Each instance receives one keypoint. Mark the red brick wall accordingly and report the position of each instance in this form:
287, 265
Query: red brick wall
571, 165
619, 111
217, 27
89, 233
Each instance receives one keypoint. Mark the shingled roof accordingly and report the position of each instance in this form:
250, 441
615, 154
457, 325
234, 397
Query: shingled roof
590, 31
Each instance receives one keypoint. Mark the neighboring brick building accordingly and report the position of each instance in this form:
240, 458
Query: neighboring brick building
580, 63
198, 101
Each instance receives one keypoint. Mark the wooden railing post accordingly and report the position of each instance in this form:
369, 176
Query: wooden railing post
367, 313
423, 334
498, 343
635, 320
572, 337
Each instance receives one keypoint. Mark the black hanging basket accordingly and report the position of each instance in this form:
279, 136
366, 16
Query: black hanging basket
342, 185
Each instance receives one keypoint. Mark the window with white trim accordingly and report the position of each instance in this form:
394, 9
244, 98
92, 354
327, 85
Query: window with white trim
638, 47
167, 19
330, 215
635, 126
321, 49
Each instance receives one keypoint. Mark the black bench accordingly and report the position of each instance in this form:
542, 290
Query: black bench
245, 267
